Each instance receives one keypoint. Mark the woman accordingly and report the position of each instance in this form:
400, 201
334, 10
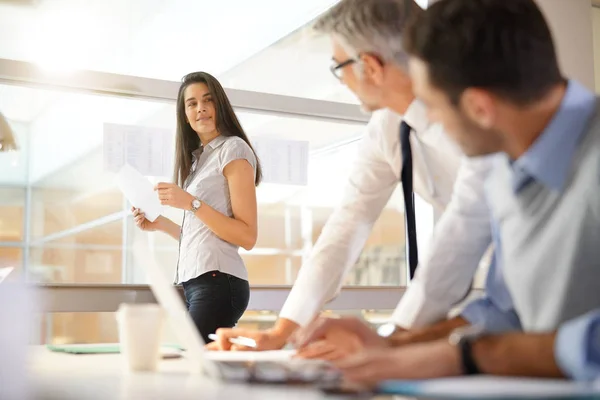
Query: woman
216, 174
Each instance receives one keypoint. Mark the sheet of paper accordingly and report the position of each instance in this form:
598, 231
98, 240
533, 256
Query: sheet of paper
149, 150
274, 355
481, 387
283, 161
139, 191
4, 272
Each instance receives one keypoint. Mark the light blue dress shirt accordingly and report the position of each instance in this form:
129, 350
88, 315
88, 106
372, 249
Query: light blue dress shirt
577, 347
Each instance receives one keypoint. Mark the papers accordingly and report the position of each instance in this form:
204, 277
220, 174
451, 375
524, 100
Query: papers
481, 387
4, 272
283, 161
166, 351
19, 304
139, 191
237, 356
149, 150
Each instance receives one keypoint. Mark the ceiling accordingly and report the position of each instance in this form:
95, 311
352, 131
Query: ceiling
246, 47
166, 39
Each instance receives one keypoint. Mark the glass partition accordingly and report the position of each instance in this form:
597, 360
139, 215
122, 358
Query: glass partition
61, 206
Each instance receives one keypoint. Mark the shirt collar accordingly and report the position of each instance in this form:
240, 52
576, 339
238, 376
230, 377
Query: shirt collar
213, 144
558, 142
216, 142
416, 116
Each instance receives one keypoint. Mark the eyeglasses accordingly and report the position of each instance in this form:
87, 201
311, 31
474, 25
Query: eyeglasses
336, 68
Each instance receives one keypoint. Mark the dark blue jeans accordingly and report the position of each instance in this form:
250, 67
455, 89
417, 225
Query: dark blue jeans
216, 300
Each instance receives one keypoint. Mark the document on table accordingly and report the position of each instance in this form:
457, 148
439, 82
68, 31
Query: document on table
139, 191
236, 356
149, 150
481, 387
283, 161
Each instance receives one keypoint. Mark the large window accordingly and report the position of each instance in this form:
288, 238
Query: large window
65, 221
62, 218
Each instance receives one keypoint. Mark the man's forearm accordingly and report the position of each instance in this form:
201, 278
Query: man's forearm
434, 332
517, 354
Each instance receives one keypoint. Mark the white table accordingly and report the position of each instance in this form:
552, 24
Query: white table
101, 376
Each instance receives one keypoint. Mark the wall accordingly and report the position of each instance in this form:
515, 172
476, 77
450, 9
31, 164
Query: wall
571, 25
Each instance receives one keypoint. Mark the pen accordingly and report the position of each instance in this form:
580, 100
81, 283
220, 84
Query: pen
240, 340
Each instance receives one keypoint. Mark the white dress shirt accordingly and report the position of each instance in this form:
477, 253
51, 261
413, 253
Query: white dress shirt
460, 239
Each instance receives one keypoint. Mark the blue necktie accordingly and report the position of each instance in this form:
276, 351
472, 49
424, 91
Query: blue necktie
406, 176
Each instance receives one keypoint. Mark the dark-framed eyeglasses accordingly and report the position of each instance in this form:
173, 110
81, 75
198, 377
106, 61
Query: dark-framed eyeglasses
336, 68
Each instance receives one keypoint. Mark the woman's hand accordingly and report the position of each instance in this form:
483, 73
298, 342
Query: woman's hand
141, 222
172, 195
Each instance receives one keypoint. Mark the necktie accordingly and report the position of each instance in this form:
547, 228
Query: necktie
409, 199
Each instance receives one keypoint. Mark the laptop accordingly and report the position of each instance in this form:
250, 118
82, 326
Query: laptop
247, 366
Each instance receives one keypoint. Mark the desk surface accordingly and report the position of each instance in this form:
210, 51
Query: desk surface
100, 376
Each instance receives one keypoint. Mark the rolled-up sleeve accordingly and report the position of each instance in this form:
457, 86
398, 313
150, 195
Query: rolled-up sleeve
577, 347
484, 312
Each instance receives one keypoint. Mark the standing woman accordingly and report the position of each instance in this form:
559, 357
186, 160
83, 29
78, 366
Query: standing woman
216, 174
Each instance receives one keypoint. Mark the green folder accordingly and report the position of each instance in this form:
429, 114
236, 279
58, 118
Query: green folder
97, 348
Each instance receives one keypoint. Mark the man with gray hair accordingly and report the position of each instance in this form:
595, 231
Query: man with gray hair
400, 145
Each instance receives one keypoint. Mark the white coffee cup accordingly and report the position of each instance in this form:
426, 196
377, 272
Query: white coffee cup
140, 334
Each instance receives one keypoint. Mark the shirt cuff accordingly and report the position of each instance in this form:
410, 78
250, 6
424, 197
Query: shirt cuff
577, 347
415, 310
304, 302
494, 320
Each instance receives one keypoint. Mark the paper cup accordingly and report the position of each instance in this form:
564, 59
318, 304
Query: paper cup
140, 334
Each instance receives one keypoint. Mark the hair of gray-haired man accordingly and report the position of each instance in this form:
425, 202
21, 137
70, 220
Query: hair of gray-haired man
369, 26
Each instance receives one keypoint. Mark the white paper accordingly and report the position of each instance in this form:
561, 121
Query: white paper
4, 272
283, 161
19, 303
273, 355
139, 191
149, 150
480, 387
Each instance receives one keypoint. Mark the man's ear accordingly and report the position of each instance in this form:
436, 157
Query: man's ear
478, 105
372, 69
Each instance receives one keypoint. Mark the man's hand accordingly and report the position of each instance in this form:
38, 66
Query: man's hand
265, 340
419, 361
337, 344
347, 332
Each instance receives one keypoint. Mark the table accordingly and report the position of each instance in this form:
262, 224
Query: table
101, 376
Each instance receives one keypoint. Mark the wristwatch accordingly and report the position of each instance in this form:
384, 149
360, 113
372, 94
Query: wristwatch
463, 338
196, 203
386, 330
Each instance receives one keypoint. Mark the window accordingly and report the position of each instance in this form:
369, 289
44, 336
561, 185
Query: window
596, 31
152, 38
80, 229
61, 216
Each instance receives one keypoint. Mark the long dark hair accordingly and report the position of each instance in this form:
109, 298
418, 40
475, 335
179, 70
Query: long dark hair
227, 124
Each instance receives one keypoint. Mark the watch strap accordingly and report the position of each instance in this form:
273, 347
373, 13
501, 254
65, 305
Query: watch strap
469, 366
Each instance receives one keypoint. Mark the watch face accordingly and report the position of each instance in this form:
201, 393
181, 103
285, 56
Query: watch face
386, 330
196, 203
